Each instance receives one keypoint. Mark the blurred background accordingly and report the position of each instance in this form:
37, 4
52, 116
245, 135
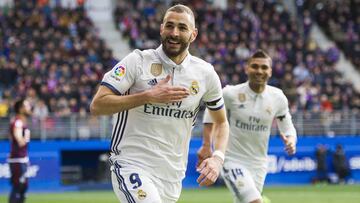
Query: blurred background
55, 52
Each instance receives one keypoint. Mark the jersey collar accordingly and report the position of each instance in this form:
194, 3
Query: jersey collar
165, 59
253, 94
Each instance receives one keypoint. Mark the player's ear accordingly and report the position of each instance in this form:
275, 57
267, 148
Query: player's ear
161, 27
194, 35
246, 68
270, 66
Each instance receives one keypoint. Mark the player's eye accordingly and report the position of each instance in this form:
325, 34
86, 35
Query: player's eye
183, 28
169, 26
254, 66
264, 67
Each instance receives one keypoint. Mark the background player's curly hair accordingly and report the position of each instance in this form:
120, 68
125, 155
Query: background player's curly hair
18, 104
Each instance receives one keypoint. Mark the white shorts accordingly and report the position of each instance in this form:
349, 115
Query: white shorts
132, 184
244, 183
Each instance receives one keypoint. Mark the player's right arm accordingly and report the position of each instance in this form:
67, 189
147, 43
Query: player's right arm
106, 102
113, 94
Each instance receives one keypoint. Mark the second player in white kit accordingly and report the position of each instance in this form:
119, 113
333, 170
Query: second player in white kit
252, 107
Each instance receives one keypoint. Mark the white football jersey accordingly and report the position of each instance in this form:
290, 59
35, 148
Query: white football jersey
156, 137
250, 118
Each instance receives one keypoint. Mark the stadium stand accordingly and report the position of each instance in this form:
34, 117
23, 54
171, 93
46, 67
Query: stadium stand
341, 22
51, 55
54, 56
227, 37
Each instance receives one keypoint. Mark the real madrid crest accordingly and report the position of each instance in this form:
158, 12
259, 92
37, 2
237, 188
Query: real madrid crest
268, 110
194, 88
141, 194
156, 69
242, 97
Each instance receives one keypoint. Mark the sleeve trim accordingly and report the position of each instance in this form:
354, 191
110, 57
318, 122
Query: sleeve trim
110, 87
217, 108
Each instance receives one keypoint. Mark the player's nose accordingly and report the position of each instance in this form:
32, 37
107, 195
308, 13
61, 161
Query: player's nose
175, 31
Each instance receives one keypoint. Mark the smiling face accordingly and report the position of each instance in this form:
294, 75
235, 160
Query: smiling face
258, 71
177, 32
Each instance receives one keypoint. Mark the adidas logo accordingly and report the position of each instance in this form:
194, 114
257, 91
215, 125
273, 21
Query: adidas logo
152, 82
241, 106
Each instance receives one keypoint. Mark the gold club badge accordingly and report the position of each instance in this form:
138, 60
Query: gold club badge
156, 69
141, 194
194, 88
242, 97
268, 110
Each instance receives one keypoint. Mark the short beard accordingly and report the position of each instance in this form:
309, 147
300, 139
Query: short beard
173, 53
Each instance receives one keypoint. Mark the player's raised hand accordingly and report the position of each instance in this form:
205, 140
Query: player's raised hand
290, 143
209, 170
163, 92
203, 153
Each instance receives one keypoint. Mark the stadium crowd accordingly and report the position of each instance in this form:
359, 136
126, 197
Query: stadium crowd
341, 22
227, 37
51, 55
54, 56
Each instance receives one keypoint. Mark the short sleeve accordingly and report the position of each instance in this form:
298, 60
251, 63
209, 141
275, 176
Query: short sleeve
18, 123
207, 117
284, 119
213, 96
122, 76
283, 106
226, 95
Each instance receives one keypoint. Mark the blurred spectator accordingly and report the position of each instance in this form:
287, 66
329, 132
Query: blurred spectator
4, 108
340, 164
321, 167
40, 111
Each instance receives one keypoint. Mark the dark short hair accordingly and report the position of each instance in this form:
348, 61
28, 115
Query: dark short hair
260, 54
180, 8
18, 104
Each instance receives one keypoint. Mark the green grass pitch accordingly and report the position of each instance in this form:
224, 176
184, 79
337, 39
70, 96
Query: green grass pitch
293, 194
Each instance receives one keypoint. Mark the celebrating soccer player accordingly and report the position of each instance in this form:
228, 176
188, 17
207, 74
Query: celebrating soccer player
155, 97
251, 107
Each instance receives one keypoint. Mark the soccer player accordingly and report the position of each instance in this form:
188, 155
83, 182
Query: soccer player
155, 97
251, 107
18, 159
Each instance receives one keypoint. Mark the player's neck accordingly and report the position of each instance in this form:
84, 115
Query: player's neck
179, 58
22, 117
257, 88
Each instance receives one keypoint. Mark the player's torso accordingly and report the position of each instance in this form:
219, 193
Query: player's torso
251, 114
153, 71
251, 118
156, 136
16, 150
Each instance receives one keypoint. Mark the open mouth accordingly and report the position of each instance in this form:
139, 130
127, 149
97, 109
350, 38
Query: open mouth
173, 42
259, 79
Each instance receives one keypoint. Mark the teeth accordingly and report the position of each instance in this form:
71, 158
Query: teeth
173, 42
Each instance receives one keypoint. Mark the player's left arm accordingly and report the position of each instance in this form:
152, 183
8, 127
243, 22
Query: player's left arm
209, 169
286, 128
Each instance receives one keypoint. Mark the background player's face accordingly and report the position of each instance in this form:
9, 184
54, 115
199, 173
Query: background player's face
26, 109
258, 71
177, 32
